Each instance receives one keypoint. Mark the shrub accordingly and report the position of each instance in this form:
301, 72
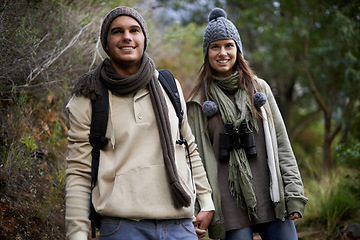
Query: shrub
333, 200
348, 155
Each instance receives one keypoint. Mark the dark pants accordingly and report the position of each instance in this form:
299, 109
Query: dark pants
276, 230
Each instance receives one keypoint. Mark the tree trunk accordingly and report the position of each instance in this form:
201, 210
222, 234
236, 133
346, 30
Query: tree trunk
327, 144
329, 137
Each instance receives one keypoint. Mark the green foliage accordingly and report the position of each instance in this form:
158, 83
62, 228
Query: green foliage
29, 142
339, 57
32, 119
185, 60
334, 199
15, 127
348, 155
308, 151
27, 173
354, 134
341, 205
60, 176
54, 196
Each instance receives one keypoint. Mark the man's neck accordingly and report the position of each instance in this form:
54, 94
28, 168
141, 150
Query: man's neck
126, 69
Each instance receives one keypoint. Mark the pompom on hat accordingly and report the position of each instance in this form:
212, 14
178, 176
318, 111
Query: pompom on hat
220, 28
117, 12
259, 98
209, 107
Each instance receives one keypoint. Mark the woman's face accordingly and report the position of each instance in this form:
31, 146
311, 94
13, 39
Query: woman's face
222, 57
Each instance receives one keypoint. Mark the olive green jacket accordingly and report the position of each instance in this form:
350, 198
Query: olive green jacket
286, 190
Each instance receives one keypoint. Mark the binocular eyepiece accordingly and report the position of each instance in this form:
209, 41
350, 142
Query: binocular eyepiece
235, 138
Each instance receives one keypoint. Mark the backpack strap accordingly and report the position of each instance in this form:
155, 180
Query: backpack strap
168, 82
97, 139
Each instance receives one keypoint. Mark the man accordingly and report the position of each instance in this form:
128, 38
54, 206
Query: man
145, 189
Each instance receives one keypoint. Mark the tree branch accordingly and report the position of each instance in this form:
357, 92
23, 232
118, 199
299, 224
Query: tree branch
307, 69
97, 52
36, 72
300, 125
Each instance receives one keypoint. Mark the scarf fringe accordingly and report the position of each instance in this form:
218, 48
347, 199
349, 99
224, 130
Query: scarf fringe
180, 197
252, 214
251, 211
241, 182
88, 85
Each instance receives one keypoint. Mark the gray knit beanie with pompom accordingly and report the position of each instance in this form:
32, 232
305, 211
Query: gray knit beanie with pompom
117, 12
220, 28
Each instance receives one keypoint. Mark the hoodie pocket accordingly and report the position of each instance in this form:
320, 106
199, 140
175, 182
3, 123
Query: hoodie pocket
139, 193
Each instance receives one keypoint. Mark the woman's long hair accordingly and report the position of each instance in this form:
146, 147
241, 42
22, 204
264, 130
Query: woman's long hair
246, 79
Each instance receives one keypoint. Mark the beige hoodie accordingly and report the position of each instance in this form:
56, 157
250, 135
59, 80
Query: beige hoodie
132, 181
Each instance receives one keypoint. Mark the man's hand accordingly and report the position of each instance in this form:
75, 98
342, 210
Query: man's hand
202, 221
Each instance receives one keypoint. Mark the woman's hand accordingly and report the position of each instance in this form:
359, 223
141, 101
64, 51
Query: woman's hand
294, 215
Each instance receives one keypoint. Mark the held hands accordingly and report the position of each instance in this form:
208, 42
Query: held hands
294, 215
201, 222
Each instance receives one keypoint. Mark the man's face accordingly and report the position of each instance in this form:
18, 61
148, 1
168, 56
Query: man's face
125, 42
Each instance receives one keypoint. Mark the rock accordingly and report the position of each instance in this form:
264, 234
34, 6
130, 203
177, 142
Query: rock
351, 231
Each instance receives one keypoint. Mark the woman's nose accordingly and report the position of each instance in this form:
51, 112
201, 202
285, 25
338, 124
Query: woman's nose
222, 51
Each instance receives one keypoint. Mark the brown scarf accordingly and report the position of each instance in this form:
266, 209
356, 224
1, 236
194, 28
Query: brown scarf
131, 84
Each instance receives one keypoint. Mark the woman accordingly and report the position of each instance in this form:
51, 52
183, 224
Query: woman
243, 143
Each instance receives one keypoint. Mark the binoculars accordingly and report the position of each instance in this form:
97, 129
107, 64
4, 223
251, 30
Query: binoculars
235, 138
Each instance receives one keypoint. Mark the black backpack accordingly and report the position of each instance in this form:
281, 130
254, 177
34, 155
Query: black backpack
99, 120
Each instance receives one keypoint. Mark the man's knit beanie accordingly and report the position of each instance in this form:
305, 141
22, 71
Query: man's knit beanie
220, 28
117, 12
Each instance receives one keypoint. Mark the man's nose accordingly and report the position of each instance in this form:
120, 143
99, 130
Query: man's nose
127, 36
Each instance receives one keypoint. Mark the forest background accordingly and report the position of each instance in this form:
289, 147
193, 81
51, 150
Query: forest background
307, 50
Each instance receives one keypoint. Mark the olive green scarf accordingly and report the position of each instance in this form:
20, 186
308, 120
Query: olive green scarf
240, 176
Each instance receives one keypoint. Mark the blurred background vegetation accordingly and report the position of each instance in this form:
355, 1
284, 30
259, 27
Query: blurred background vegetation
307, 50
